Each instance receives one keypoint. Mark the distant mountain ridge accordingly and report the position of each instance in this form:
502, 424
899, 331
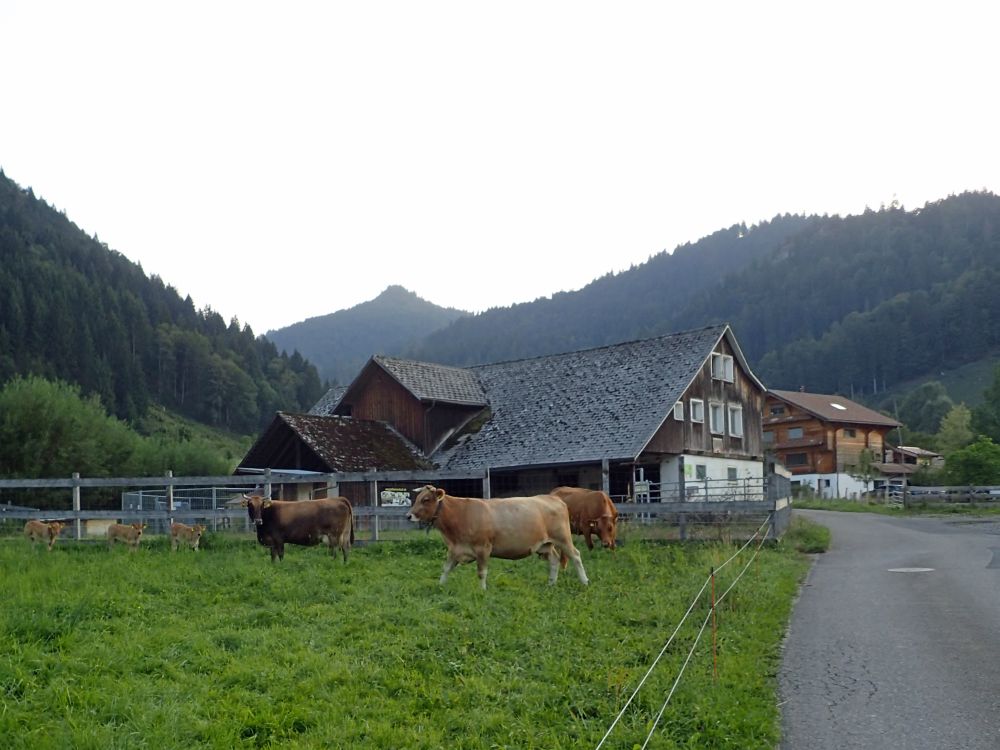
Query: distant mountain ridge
340, 343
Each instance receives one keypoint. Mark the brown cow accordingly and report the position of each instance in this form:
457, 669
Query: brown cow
130, 535
189, 535
304, 522
509, 528
41, 531
590, 512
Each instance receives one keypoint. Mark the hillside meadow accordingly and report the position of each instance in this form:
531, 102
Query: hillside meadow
222, 649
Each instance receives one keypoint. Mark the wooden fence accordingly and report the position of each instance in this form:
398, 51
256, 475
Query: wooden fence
773, 506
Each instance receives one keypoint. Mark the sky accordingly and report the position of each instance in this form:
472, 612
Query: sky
280, 161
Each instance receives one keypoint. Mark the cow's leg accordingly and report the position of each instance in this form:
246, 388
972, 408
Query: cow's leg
586, 536
449, 565
482, 563
555, 557
573, 554
345, 542
274, 552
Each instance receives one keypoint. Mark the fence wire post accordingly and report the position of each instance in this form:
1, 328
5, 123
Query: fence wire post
715, 658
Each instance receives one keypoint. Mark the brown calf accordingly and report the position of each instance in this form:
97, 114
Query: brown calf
41, 531
130, 535
189, 535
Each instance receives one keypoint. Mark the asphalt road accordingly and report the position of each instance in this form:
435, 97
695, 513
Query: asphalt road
882, 659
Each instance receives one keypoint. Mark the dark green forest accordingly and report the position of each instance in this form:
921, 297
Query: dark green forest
73, 310
853, 304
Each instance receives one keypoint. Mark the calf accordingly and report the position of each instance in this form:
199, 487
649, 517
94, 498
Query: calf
129, 535
189, 535
590, 511
304, 522
510, 528
42, 531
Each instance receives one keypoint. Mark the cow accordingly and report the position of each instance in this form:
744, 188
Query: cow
189, 535
304, 522
129, 535
590, 512
511, 528
42, 531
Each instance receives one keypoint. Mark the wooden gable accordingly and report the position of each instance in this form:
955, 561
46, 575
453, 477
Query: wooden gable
735, 392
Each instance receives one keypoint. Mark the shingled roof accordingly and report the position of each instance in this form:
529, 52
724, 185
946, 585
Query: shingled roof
833, 408
328, 402
584, 406
431, 382
337, 444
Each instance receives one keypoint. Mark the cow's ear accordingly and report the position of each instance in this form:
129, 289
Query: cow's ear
440, 493
266, 503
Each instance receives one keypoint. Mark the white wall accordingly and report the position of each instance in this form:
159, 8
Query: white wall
716, 470
833, 485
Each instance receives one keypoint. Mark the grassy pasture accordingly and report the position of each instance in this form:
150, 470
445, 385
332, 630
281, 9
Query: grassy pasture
222, 649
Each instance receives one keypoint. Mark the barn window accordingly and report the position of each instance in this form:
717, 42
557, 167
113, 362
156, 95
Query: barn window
715, 418
722, 367
768, 437
679, 411
796, 459
736, 421
794, 433
777, 411
731, 474
697, 410
848, 432
700, 471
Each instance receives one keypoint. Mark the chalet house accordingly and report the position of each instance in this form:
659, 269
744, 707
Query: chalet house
668, 411
820, 438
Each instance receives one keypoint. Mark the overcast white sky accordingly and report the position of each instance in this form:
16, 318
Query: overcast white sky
278, 161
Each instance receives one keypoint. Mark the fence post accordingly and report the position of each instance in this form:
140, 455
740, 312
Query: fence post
682, 525
375, 506
267, 483
215, 509
170, 496
486, 484
606, 476
715, 657
76, 505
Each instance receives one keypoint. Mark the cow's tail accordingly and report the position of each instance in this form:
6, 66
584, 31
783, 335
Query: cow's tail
563, 560
350, 513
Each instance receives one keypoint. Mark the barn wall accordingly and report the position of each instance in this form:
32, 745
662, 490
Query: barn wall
382, 399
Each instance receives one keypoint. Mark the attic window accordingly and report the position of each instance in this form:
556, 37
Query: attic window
722, 367
838, 406
679, 411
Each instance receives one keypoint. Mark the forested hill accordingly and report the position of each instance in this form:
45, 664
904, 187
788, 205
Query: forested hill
835, 304
73, 310
633, 304
340, 343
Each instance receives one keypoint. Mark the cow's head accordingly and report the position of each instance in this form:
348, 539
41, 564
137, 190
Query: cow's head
255, 505
607, 529
426, 505
198, 530
55, 527
138, 528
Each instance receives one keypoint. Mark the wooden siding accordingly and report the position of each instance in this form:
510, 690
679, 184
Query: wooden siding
382, 399
685, 436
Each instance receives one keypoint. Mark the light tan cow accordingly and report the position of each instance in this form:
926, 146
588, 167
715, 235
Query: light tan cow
42, 531
189, 535
590, 511
510, 528
130, 535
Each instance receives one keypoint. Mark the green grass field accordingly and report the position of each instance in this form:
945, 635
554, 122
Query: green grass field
222, 649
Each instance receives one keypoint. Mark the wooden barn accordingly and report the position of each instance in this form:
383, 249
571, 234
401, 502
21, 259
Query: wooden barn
671, 411
819, 438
